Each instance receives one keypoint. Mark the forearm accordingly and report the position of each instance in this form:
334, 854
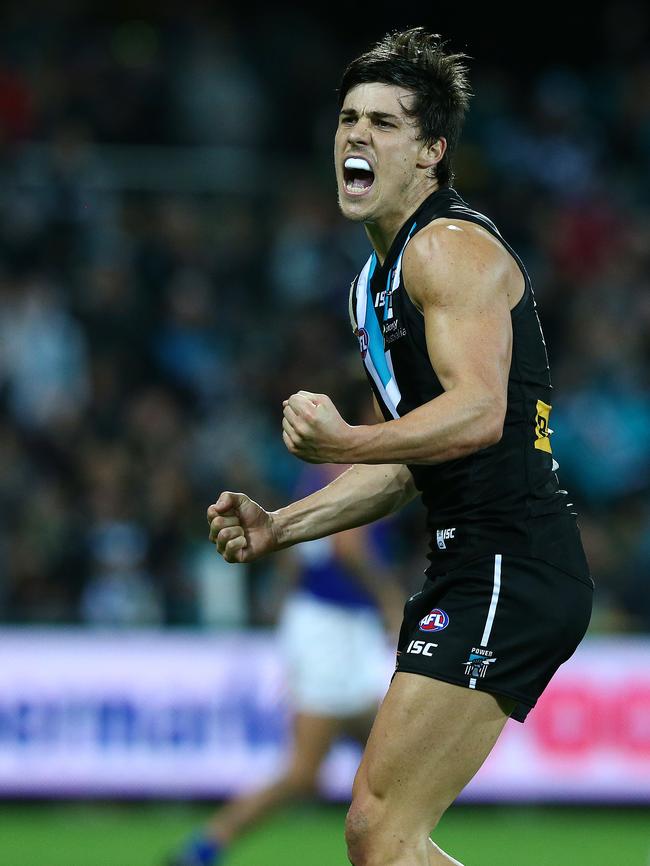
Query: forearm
446, 428
358, 496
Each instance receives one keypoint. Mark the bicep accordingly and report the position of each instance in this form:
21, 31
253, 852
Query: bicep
470, 344
460, 281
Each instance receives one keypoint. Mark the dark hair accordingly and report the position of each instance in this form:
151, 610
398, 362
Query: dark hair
417, 61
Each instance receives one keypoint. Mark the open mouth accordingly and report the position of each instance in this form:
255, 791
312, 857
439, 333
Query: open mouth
358, 177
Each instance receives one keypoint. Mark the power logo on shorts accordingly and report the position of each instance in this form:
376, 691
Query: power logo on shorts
434, 621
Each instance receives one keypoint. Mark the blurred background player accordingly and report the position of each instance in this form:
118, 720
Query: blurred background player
341, 600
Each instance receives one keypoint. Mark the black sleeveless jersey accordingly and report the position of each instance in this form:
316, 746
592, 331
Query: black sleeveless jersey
502, 499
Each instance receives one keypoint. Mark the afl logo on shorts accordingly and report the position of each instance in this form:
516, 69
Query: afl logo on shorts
434, 621
362, 336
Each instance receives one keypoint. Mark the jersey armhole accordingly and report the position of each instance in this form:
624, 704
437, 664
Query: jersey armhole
521, 303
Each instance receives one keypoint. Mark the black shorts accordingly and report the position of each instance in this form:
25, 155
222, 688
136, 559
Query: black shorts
501, 624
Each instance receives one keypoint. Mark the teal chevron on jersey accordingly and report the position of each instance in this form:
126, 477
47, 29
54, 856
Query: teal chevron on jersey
377, 361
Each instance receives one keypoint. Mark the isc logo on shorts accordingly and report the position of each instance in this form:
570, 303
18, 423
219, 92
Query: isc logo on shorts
419, 647
434, 621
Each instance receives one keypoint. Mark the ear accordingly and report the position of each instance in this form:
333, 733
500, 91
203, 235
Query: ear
431, 154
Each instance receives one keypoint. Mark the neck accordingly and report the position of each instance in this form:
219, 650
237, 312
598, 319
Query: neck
383, 230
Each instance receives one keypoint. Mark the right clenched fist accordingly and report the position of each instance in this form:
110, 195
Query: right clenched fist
241, 529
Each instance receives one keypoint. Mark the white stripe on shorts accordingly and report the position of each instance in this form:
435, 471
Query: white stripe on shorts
496, 587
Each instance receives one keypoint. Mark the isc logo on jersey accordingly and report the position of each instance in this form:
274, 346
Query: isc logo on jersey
445, 535
434, 621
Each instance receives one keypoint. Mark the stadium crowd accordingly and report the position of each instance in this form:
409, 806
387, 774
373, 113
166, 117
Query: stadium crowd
150, 327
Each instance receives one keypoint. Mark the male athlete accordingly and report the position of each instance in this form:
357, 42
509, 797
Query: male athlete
449, 336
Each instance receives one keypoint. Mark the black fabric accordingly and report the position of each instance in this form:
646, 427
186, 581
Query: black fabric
540, 615
505, 498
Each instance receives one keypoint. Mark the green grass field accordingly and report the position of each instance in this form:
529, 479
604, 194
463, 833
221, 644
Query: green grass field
140, 834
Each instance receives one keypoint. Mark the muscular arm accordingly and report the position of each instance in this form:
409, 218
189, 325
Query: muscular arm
243, 531
359, 495
367, 494
465, 283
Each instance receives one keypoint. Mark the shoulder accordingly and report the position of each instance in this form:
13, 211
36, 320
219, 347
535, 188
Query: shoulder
450, 255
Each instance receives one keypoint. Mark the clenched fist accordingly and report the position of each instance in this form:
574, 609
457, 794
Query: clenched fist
313, 429
241, 529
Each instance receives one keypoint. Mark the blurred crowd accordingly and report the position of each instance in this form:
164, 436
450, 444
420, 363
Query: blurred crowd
150, 326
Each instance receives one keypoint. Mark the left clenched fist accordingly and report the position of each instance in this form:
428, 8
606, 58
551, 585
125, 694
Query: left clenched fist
313, 429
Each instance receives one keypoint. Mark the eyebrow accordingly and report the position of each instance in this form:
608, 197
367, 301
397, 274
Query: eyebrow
375, 115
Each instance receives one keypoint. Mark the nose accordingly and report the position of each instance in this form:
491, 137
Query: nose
359, 132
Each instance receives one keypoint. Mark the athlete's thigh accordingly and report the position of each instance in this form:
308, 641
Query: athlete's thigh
429, 739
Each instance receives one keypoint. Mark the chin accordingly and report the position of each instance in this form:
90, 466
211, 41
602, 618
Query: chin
354, 216
356, 211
